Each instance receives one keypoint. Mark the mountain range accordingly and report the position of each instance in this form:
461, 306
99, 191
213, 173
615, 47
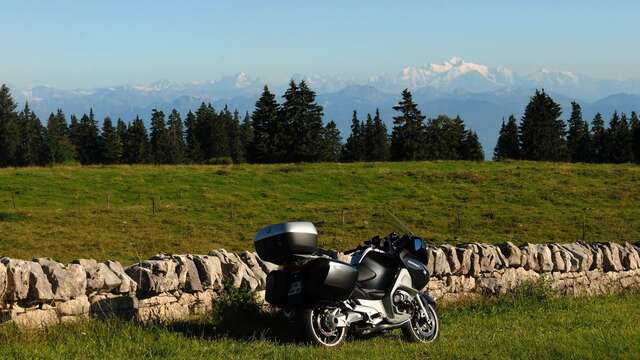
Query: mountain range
480, 94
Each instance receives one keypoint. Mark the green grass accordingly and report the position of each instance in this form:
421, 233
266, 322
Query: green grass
521, 326
62, 212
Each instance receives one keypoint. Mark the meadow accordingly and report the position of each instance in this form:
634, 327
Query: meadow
131, 212
523, 325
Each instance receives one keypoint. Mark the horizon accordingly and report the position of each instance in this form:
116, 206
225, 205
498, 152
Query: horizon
71, 45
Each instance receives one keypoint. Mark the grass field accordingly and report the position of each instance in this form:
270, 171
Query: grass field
524, 325
107, 212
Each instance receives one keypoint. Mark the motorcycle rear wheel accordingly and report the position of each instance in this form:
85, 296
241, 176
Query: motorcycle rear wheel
422, 327
319, 330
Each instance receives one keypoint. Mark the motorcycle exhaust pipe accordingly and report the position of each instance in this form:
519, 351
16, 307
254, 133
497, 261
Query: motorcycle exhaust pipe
384, 327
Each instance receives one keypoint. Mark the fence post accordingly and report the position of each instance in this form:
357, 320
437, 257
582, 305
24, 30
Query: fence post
13, 200
108, 201
153, 205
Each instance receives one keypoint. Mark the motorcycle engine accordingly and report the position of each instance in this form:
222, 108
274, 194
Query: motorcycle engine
402, 302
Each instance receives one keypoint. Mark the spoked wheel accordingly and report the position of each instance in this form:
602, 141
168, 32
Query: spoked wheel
320, 325
424, 326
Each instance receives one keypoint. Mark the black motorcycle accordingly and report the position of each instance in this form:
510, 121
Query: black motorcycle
379, 290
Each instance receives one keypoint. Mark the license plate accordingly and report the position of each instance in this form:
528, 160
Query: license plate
295, 288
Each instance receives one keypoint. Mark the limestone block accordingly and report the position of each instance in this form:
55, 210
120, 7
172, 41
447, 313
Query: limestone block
210, 271
67, 282
78, 306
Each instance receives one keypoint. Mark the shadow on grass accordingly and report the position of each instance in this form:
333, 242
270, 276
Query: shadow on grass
11, 217
238, 316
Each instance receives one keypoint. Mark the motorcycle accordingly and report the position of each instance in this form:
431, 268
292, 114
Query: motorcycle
378, 291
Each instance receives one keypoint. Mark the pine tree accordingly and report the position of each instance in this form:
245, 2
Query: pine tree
507, 146
8, 128
60, 148
267, 130
470, 147
578, 136
378, 147
598, 135
331, 143
74, 131
137, 147
222, 136
121, 135
32, 147
110, 144
236, 148
88, 144
159, 138
354, 149
175, 128
193, 148
443, 137
618, 140
407, 137
542, 132
246, 135
635, 136
303, 117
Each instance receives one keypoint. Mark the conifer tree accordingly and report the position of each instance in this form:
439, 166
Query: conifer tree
267, 130
60, 148
193, 148
507, 146
470, 147
175, 129
246, 135
443, 138
32, 146
236, 149
303, 117
542, 132
88, 144
407, 137
367, 134
121, 135
74, 131
331, 143
378, 150
598, 140
110, 144
635, 136
354, 149
8, 128
578, 136
618, 139
137, 147
159, 138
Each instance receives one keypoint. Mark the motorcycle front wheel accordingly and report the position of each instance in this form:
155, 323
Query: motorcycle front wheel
320, 326
422, 327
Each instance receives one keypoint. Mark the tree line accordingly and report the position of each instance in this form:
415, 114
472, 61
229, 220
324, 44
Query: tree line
541, 135
291, 131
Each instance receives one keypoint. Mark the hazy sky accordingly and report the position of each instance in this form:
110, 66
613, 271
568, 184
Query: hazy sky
95, 43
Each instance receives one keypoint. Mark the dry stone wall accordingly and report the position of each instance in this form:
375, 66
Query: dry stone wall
168, 287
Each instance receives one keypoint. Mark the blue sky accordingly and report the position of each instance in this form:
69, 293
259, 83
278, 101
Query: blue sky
97, 43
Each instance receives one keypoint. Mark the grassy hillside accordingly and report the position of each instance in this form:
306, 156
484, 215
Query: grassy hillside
529, 327
107, 212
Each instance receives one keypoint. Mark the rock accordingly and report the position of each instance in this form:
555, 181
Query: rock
598, 257
77, 306
95, 277
39, 286
233, 268
67, 282
34, 318
107, 305
127, 285
154, 276
158, 300
512, 254
530, 251
210, 271
558, 258
251, 260
582, 254
611, 257
464, 255
452, 258
162, 313
3, 281
17, 283
544, 258
187, 273
629, 257
489, 260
